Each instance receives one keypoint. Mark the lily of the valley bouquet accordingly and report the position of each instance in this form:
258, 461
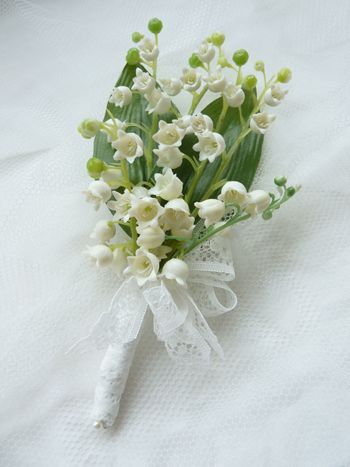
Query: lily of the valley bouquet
175, 184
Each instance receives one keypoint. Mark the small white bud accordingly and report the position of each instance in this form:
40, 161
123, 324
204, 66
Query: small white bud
121, 96
176, 269
101, 255
103, 231
98, 192
211, 210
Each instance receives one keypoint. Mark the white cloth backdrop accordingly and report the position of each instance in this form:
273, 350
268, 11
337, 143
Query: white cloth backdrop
281, 397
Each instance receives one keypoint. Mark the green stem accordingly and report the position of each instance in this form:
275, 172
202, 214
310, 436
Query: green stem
195, 180
222, 115
125, 171
136, 125
149, 152
191, 161
133, 233
196, 99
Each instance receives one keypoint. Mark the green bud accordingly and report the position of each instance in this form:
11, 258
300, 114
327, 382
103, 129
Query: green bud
89, 128
133, 56
284, 75
155, 25
259, 66
194, 61
280, 181
290, 191
95, 166
240, 57
249, 82
218, 38
136, 36
223, 62
266, 215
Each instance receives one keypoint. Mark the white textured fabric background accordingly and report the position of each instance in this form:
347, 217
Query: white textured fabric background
281, 398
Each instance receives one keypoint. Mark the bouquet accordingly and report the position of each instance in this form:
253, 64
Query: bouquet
174, 184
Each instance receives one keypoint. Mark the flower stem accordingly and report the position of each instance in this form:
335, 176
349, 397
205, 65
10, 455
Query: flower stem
196, 99
191, 161
149, 152
195, 180
133, 234
222, 115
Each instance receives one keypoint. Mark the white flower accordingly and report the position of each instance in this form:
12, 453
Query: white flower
149, 50
161, 251
98, 192
168, 156
210, 145
113, 177
216, 81
121, 96
103, 231
260, 122
184, 123
143, 266
177, 218
129, 146
119, 262
233, 192
176, 269
146, 211
150, 237
139, 191
143, 82
168, 186
234, 95
101, 255
275, 95
171, 86
169, 134
200, 123
121, 205
206, 52
158, 102
211, 210
113, 126
258, 201
191, 79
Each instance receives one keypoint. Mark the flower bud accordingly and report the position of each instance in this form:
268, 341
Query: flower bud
150, 237
211, 210
217, 38
136, 37
240, 57
266, 215
258, 201
113, 177
291, 191
133, 56
222, 61
103, 231
194, 61
176, 269
249, 82
89, 128
280, 181
101, 255
259, 66
284, 75
155, 25
95, 166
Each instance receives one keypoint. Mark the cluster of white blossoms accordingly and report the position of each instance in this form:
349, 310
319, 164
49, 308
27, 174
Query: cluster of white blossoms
161, 212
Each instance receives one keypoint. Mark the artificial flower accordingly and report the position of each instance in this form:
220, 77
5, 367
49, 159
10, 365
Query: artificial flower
191, 79
158, 102
101, 255
169, 134
168, 156
177, 270
211, 210
201, 123
234, 95
121, 205
216, 80
260, 122
150, 237
121, 96
233, 193
168, 186
257, 202
143, 82
98, 192
171, 86
206, 52
129, 146
274, 95
210, 145
144, 266
146, 211
103, 231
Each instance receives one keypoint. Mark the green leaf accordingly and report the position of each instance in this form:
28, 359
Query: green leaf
244, 162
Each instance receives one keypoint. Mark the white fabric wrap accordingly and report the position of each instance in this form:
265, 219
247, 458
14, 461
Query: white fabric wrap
179, 313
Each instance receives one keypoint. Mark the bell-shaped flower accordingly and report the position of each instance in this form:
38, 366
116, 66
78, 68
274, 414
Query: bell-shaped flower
177, 218
216, 80
191, 79
169, 134
168, 186
119, 262
149, 50
150, 237
129, 146
210, 145
201, 123
121, 96
206, 52
112, 127
143, 82
101, 255
184, 123
234, 95
98, 192
176, 269
113, 177
257, 202
103, 231
89, 128
233, 193
144, 266
146, 211
274, 95
171, 86
211, 210
168, 156
260, 122
161, 251
139, 191
121, 205
158, 102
